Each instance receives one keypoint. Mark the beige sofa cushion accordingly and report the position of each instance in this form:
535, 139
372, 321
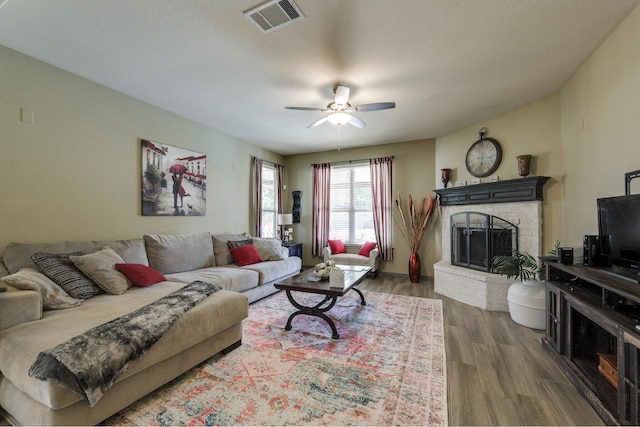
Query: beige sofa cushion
229, 278
3, 270
18, 306
22, 343
221, 248
272, 270
18, 255
173, 253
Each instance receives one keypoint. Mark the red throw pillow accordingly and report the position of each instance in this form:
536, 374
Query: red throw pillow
366, 248
140, 274
245, 255
337, 247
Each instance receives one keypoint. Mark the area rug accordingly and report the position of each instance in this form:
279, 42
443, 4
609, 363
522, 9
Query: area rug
387, 368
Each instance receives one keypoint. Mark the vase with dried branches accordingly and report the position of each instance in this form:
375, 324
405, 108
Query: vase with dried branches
413, 224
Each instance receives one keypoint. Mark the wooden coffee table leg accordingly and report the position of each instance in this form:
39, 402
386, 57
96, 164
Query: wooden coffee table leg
317, 311
362, 301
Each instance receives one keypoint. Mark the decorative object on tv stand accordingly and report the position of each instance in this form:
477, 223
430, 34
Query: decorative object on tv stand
524, 164
445, 176
286, 234
526, 298
296, 206
414, 223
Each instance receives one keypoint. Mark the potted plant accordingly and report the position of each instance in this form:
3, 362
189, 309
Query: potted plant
526, 297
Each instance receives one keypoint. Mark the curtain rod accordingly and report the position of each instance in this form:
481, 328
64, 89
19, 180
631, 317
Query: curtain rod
344, 162
266, 161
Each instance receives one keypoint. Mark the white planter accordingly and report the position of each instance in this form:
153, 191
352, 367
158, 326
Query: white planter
527, 303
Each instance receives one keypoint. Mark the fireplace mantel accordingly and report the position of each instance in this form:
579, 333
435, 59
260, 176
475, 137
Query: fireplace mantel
512, 190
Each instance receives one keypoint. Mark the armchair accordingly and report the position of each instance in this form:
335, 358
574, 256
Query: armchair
373, 260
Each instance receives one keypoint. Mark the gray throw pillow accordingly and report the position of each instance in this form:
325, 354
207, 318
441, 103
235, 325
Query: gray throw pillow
221, 247
232, 244
60, 269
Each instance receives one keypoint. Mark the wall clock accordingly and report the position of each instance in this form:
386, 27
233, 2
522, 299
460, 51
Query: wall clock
484, 156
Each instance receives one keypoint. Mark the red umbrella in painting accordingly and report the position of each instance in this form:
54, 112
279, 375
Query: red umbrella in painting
178, 169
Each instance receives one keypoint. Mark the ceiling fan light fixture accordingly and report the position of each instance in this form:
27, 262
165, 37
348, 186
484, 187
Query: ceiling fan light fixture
339, 119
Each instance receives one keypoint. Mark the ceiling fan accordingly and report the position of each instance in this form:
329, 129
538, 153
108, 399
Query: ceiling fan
340, 109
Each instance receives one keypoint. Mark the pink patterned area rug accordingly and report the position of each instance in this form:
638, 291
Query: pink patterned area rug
387, 368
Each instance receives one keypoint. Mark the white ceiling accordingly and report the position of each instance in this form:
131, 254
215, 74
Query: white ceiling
446, 63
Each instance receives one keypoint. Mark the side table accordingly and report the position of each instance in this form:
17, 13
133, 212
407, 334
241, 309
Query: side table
295, 249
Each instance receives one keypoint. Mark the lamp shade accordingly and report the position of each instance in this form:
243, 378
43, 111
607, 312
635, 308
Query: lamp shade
285, 219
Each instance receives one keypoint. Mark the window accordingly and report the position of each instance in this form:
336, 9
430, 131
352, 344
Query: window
269, 201
351, 217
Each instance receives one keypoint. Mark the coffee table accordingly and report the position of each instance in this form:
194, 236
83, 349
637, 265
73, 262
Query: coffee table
302, 282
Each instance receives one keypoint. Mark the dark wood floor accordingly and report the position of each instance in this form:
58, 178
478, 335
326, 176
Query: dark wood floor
497, 371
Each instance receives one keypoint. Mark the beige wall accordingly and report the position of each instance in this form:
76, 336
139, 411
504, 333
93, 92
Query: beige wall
584, 137
75, 173
600, 110
532, 129
412, 173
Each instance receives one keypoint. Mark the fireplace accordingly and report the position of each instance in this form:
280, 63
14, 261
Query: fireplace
477, 237
481, 221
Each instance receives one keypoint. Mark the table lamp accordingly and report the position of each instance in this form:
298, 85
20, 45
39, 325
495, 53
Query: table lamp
286, 234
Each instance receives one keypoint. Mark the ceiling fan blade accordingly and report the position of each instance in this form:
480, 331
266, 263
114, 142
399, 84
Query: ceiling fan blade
305, 108
318, 122
375, 106
357, 122
342, 95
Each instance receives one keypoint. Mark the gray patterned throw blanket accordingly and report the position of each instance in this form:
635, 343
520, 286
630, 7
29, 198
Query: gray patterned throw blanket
90, 363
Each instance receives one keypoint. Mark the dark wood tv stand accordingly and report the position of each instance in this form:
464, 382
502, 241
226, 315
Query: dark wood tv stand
592, 313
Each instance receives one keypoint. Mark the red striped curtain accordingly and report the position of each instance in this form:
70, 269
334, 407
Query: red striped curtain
279, 181
381, 172
257, 196
321, 205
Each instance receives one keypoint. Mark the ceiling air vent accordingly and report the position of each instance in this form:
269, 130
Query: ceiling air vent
274, 14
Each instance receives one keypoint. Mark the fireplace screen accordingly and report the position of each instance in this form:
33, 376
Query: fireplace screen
476, 238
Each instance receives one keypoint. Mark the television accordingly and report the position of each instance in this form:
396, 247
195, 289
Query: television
619, 230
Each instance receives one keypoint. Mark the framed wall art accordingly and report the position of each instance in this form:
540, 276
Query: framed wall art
174, 180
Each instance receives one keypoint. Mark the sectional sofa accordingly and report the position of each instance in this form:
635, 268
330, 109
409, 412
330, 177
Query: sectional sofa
39, 317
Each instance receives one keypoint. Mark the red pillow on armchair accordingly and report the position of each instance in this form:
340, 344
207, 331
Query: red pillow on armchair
337, 247
366, 248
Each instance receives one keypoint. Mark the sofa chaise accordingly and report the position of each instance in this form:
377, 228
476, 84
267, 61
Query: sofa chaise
28, 326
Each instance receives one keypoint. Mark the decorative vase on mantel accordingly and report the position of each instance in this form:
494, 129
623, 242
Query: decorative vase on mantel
524, 164
445, 176
414, 267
